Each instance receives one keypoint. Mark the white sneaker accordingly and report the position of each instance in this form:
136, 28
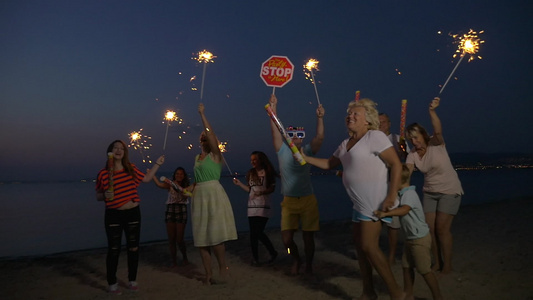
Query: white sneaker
113, 289
133, 286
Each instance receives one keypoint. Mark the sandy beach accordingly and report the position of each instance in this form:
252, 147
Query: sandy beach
492, 260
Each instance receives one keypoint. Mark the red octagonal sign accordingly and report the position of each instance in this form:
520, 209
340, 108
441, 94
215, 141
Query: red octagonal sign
277, 71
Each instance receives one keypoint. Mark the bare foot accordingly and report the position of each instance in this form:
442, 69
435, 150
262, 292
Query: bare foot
295, 268
209, 281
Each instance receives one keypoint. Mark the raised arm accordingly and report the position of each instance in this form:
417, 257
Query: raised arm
151, 173
437, 138
316, 143
210, 135
277, 139
160, 184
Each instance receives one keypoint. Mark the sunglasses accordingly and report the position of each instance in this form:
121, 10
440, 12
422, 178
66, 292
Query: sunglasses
298, 134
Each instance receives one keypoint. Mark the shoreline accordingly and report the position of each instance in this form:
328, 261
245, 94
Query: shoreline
492, 260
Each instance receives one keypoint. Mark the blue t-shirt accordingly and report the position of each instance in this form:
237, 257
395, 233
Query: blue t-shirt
295, 178
413, 223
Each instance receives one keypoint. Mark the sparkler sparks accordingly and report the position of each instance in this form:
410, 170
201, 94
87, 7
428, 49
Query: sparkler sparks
467, 44
139, 142
312, 64
222, 146
170, 116
204, 57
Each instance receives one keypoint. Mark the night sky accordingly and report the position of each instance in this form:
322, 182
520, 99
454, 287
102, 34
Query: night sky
76, 75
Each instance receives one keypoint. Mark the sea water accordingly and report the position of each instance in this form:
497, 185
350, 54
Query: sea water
52, 217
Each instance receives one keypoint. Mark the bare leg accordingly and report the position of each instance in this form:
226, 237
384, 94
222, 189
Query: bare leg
290, 245
205, 253
393, 241
180, 232
171, 233
408, 282
220, 254
433, 284
364, 266
430, 220
370, 232
443, 224
309, 245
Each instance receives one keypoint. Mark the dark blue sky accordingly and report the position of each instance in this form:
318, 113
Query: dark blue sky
75, 75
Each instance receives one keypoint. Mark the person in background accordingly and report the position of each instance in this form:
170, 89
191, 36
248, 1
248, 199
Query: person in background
366, 157
176, 215
261, 179
122, 213
401, 148
211, 212
442, 188
299, 201
417, 249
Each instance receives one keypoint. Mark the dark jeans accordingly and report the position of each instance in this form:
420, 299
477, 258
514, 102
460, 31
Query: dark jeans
116, 222
257, 227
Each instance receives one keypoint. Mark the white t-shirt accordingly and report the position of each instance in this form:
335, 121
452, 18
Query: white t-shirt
365, 175
258, 205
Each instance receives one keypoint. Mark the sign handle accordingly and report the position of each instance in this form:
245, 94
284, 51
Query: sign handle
273, 90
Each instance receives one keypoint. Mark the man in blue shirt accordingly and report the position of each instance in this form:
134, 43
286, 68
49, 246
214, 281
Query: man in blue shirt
299, 202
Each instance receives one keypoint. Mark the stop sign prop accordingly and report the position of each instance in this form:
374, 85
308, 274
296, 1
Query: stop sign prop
277, 71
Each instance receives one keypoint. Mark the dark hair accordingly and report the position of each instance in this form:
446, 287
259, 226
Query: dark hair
125, 159
264, 162
417, 127
185, 183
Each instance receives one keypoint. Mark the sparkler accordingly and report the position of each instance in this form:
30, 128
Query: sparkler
170, 116
204, 57
467, 44
309, 66
139, 142
222, 148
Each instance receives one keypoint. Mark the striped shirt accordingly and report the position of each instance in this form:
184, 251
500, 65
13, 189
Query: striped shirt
124, 186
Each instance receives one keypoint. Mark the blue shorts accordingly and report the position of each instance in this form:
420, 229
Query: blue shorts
358, 217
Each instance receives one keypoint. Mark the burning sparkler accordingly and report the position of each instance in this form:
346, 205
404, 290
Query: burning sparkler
467, 44
139, 142
204, 57
222, 148
308, 69
170, 116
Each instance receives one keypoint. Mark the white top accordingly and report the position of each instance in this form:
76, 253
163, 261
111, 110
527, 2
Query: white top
365, 174
258, 206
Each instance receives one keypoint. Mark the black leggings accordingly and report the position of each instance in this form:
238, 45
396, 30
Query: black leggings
116, 222
257, 227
